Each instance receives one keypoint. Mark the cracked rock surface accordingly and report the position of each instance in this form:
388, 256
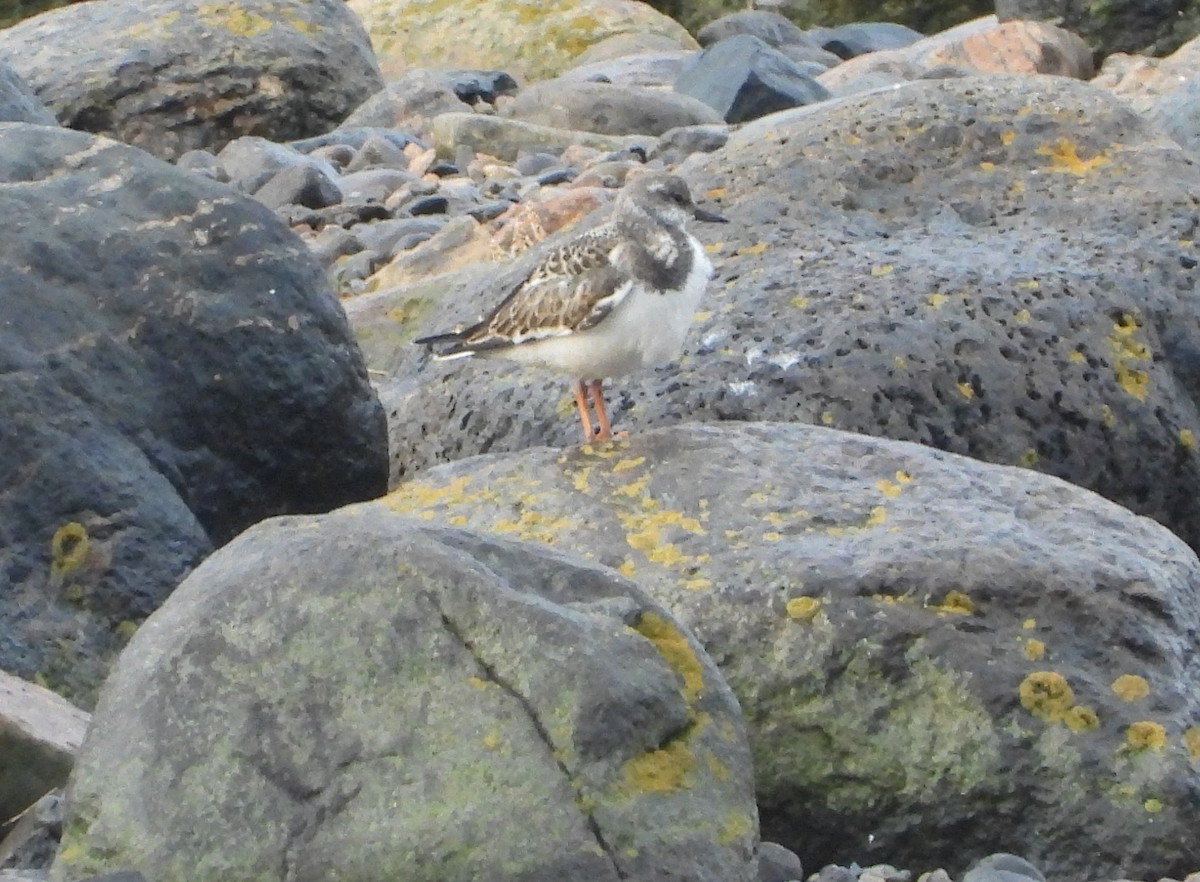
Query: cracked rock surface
916, 638
360, 696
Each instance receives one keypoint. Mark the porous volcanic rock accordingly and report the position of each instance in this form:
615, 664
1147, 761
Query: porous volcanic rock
1003, 267
172, 75
174, 368
360, 696
946, 654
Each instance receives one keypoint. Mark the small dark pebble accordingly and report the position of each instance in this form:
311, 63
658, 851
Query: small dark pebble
557, 176
489, 210
444, 169
428, 205
1187, 262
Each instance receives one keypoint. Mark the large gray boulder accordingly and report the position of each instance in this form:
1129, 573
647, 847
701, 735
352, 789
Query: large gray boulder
1003, 267
173, 368
358, 696
18, 103
608, 109
950, 656
171, 75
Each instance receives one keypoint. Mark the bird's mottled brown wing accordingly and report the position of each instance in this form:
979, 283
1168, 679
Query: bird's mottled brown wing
572, 289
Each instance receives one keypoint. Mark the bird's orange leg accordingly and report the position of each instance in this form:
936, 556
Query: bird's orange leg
581, 401
604, 432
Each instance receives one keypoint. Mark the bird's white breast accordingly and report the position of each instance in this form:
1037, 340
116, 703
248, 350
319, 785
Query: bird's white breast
645, 329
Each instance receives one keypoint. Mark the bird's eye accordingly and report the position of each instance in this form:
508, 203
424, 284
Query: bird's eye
679, 198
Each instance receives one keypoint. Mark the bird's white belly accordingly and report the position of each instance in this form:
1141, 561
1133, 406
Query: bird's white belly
645, 329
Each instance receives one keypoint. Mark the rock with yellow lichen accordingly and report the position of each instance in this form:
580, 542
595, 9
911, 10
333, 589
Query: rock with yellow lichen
529, 40
170, 75
1000, 266
364, 696
946, 653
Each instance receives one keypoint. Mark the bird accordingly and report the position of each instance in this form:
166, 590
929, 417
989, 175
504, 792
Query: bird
611, 300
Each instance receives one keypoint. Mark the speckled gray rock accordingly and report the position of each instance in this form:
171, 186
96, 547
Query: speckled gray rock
398, 701
39, 734
860, 38
507, 138
609, 109
1178, 114
249, 162
409, 103
18, 103
938, 651
743, 78
1001, 267
161, 74
778, 864
655, 69
173, 368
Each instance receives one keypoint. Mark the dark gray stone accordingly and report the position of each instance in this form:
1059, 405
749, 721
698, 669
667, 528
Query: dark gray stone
428, 205
381, 238
201, 162
409, 103
249, 162
743, 78
173, 368
859, 38
18, 103
677, 145
377, 152
475, 86
608, 109
170, 76
375, 184
389, 694
299, 185
770, 27
778, 864
353, 136
650, 69
1003, 867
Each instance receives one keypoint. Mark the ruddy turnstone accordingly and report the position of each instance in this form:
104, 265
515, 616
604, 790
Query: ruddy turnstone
615, 298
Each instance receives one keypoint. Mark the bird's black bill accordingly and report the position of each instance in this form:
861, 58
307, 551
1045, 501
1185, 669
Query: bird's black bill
703, 214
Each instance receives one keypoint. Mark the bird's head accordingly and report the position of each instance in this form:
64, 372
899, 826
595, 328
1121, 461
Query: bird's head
664, 197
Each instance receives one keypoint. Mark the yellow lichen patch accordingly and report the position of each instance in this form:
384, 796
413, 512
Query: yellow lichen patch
1146, 735
900, 362
1191, 740
956, 603
887, 488
69, 548
627, 569
1131, 687
736, 826
716, 768
532, 525
885, 269
803, 609
237, 21
966, 391
478, 682
714, 247
1107, 416
1076, 357
1128, 353
1064, 157
491, 740
1047, 695
987, 166
1187, 439
877, 516
1022, 317
1081, 718
1029, 284
757, 248
659, 771
1028, 459
702, 316
1153, 806
634, 488
1035, 650
697, 584
1008, 137
675, 650
903, 477
715, 193
126, 628
772, 536
936, 300
580, 479
1029, 624
626, 464
826, 418
418, 495
799, 301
